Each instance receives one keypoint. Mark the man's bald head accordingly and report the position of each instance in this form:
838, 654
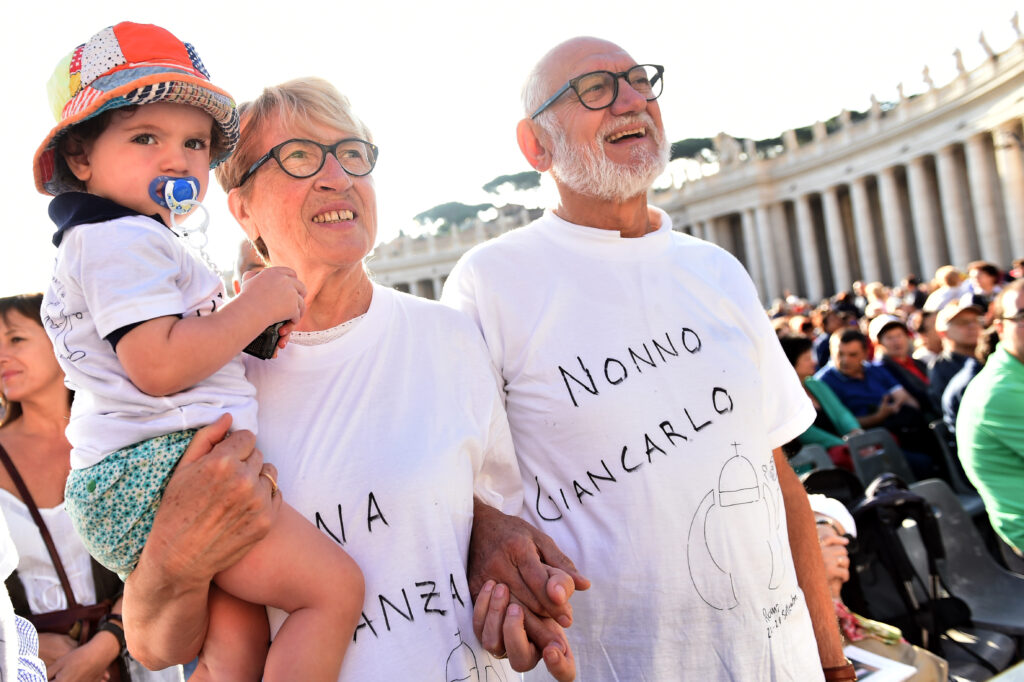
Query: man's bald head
613, 152
546, 75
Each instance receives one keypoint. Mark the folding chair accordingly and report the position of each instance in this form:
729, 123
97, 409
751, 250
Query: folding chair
836, 483
810, 458
896, 578
1013, 562
995, 595
963, 646
947, 443
875, 452
969, 498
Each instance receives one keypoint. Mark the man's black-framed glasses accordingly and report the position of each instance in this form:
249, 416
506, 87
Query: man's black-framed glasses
1018, 318
301, 158
599, 89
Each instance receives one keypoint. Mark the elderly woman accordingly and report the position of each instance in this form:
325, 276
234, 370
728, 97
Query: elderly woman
382, 414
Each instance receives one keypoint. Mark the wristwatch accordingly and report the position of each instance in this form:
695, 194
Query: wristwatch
113, 624
841, 673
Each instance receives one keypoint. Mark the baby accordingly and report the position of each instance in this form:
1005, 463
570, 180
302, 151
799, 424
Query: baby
150, 345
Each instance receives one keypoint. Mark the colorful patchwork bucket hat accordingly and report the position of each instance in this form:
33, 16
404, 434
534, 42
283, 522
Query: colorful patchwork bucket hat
125, 65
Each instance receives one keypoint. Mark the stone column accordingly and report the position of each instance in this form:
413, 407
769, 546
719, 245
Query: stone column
773, 287
837, 252
783, 247
752, 248
864, 228
954, 206
981, 175
927, 225
895, 225
701, 229
712, 230
1010, 163
809, 249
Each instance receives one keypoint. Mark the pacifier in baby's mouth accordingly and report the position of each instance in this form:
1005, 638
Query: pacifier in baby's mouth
181, 195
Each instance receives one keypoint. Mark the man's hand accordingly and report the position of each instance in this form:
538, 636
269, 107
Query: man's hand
901, 397
217, 505
889, 406
886, 409
510, 551
504, 628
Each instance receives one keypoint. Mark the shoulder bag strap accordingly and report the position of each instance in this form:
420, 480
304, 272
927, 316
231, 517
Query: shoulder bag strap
26, 497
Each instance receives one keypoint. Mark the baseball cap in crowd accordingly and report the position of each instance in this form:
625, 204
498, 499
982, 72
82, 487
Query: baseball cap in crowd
124, 65
834, 509
952, 310
883, 323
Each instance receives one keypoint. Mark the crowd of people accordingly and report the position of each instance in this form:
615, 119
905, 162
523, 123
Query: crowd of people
900, 358
563, 468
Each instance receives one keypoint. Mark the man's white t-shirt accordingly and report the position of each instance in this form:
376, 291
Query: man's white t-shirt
381, 437
110, 275
646, 390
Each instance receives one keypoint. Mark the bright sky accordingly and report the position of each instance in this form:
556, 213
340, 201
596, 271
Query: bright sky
438, 82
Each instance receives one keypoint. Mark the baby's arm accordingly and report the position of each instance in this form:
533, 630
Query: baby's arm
168, 354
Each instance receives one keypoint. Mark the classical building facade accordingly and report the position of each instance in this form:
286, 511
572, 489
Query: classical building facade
932, 179
420, 265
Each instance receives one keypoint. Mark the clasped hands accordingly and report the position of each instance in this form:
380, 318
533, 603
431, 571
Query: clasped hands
521, 584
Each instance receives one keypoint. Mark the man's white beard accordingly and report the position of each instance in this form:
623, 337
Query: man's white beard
588, 170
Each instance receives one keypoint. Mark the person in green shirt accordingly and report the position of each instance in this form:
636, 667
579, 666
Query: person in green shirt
990, 424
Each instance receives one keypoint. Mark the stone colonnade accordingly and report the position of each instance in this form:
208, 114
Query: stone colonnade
420, 265
931, 180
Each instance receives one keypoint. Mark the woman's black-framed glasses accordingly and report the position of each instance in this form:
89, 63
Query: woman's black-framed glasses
301, 158
599, 89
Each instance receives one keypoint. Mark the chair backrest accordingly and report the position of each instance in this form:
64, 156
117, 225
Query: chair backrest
875, 452
965, 550
947, 444
895, 568
810, 458
995, 595
836, 483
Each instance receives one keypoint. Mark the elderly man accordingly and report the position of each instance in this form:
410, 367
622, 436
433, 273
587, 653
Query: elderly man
959, 325
990, 431
892, 352
648, 399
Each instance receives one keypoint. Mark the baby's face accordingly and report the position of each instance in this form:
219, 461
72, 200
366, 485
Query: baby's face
141, 144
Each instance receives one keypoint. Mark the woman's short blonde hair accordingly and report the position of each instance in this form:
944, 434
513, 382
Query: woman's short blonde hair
296, 103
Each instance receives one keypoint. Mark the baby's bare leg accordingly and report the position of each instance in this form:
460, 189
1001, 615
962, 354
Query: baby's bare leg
236, 642
298, 569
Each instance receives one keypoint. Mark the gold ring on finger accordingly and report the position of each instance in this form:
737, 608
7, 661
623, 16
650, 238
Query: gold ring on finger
273, 483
